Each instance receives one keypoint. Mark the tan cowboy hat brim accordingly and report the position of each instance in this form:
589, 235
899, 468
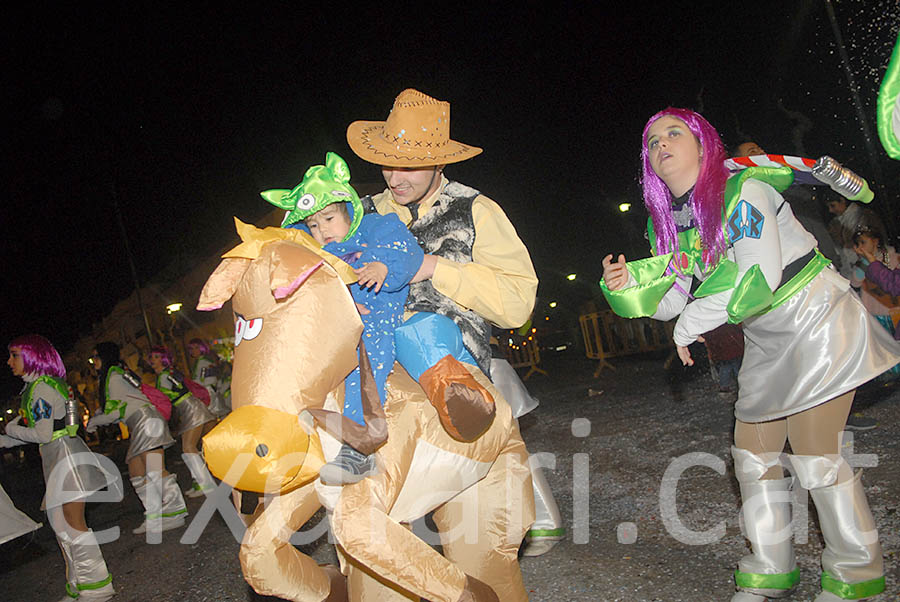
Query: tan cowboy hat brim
367, 140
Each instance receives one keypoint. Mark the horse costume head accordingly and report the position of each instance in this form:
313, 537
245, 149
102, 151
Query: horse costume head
291, 307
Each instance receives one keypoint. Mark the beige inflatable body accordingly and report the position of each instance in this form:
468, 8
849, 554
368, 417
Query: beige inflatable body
297, 330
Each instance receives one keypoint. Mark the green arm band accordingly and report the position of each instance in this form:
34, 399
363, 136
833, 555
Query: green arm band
641, 300
722, 279
888, 111
751, 296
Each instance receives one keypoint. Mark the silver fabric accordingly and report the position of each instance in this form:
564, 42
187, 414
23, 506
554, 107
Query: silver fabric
819, 344
766, 512
852, 552
546, 512
197, 467
189, 414
173, 504
511, 387
80, 477
90, 568
217, 404
147, 431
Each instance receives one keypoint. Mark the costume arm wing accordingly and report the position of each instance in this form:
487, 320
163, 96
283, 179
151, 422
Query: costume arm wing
46, 402
500, 283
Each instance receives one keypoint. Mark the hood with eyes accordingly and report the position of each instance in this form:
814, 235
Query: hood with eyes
322, 185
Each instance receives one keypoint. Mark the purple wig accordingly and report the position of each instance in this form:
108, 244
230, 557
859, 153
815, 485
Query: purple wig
203, 345
707, 199
164, 355
38, 355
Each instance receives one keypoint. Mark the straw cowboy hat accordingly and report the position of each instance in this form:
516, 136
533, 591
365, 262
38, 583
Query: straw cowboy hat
416, 134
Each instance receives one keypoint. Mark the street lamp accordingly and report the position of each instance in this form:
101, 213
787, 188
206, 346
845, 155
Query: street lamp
571, 277
624, 207
173, 307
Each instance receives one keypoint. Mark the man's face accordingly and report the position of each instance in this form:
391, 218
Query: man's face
837, 207
412, 185
749, 149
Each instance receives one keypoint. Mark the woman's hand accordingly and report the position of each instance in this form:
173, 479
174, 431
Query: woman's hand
684, 355
372, 274
615, 274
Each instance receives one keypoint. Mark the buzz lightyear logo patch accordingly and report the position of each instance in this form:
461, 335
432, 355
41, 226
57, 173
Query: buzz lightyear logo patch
746, 220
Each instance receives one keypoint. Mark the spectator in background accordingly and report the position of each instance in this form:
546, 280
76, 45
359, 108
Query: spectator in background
881, 287
725, 349
849, 218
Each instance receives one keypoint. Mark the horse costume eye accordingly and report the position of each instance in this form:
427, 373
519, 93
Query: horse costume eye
306, 202
240, 325
254, 326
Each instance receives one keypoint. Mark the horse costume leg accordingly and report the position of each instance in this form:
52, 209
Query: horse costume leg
502, 506
274, 567
385, 547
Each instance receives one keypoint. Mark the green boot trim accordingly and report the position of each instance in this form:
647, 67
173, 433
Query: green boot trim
70, 592
561, 532
95, 585
783, 581
852, 591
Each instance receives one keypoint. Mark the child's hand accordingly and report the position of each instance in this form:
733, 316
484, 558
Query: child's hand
372, 274
362, 309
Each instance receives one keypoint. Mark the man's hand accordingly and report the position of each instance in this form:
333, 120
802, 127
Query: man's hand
615, 274
426, 270
372, 274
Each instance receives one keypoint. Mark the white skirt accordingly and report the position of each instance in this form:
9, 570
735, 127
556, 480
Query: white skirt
188, 414
819, 344
147, 431
72, 472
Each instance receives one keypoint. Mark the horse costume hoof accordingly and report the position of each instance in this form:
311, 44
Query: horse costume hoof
478, 591
465, 408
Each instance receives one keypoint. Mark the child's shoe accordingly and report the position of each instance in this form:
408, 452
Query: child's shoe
349, 466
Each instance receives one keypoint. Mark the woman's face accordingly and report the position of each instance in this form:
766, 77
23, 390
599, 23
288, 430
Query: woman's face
195, 351
675, 153
96, 362
16, 362
156, 362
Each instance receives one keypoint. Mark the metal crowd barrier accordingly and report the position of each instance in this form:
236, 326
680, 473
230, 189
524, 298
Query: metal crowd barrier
607, 335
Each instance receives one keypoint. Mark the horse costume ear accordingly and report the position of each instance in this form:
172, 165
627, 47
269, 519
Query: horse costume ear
220, 286
289, 267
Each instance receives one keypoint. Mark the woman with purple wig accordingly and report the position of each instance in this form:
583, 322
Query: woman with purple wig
192, 418
808, 344
48, 416
211, 373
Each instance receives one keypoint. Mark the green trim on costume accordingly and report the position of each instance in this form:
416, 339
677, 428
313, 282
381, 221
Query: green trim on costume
96, 584
322, 185
723, 278
751, 296
887, 109
70, 592
641, 300
57, 384
783, 581
70, 430
852, 591
165, 514
801, 279
561, 532
114, 405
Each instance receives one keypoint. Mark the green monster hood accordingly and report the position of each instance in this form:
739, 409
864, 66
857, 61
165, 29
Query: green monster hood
321, 186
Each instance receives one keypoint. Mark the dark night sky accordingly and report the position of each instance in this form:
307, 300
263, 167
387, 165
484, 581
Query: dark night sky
188, 115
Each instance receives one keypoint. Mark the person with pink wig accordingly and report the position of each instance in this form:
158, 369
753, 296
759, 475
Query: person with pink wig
207, 370
808, 344
48, 416
192, 418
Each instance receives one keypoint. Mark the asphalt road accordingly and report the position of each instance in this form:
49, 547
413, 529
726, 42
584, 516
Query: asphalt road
624, 430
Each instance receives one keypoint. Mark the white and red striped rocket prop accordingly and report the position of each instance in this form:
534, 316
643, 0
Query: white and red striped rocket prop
824, 169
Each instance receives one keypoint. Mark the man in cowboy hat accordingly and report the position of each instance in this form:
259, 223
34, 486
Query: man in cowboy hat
476, 270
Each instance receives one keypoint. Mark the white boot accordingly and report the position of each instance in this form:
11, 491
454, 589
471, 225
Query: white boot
547, 530
852, 564
164, 509
65, 545
770, 571
93, 580
203, 481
